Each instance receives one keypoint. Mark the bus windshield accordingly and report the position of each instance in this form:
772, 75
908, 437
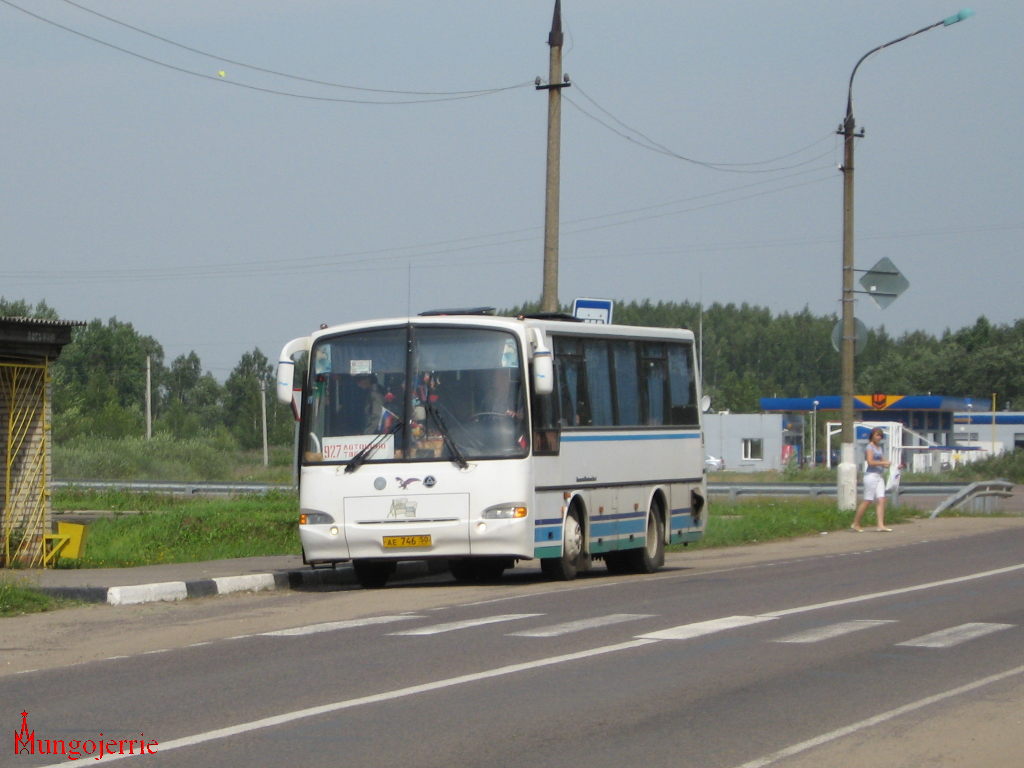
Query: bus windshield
412, 393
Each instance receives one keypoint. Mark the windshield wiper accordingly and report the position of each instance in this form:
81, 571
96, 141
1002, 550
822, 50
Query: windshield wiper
453, 449
360, 458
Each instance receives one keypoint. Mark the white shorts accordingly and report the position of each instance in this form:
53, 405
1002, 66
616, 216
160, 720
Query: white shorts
874, 486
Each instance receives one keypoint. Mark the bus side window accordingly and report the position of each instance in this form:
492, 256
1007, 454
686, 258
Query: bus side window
654, 372
570, 382
682, 386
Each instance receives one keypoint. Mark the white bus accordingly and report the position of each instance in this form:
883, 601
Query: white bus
483, 440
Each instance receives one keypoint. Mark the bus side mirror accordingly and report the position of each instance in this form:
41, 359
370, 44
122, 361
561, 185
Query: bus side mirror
543, 372
705, 403
286, 368
285, 374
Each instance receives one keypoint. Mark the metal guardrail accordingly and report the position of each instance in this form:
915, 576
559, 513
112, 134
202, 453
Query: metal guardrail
983, 496
732, 490
735, 490
186, 489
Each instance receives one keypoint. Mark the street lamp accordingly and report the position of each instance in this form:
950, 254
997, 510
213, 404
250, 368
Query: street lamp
846, 489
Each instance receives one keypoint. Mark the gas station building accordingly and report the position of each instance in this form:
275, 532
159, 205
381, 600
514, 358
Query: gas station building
935, 431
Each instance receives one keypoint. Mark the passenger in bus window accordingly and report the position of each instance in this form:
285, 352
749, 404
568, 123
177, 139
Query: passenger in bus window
373, 402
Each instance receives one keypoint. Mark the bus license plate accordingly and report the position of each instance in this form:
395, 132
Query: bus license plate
394, 542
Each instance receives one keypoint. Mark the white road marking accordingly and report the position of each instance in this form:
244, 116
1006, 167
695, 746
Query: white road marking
947, 638
376, 698
555, 630
331, 626
830, 631
436, 629
893, 592
697, 629
681, 632
871, 722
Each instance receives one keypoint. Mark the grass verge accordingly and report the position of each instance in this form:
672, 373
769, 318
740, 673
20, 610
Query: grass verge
759, 520
181, 529
16, 599
149, 529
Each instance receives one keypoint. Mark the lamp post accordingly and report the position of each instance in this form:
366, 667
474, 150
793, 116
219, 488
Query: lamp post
846, 488
814, 435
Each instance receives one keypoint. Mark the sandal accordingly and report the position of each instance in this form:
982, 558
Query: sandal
884, 530
856, 529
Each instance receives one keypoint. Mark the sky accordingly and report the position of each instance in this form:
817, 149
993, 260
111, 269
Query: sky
198, 170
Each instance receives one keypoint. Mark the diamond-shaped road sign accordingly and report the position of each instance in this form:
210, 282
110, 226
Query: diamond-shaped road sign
884, 283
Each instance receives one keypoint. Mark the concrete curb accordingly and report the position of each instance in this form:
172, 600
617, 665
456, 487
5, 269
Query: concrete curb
223, 585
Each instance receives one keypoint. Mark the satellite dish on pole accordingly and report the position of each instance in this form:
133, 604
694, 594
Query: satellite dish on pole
860, 336
884, 283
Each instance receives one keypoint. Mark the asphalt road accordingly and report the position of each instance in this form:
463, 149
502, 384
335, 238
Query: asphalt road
847, 650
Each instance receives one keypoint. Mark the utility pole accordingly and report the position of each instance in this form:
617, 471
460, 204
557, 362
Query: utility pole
555, 84
149, 400
846, 476
263, 408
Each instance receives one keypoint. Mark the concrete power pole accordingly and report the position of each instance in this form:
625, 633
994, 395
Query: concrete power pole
555, 84
263, 409
149, 399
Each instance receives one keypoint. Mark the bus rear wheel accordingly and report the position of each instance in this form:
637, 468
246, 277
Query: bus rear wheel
651, 556
373, 574
565, 568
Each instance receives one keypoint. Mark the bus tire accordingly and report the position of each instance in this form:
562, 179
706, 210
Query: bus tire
373, 574
651, 556
565, 567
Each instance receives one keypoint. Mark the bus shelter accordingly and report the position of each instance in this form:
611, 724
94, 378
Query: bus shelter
28, 347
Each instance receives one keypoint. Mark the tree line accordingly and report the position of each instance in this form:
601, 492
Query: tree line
747, 352
100, 388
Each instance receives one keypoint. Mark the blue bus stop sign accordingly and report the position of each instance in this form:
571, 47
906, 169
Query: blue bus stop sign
593, 310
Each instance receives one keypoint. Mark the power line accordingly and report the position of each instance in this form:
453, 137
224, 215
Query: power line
451, 96
217, 57
654, 146
376, 257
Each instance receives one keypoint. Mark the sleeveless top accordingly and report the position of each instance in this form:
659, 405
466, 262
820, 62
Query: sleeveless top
876, 453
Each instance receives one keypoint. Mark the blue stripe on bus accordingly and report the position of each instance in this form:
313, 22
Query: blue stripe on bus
610, 532
615, 438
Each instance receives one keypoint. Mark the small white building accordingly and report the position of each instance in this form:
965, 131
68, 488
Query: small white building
748, 442
987, 433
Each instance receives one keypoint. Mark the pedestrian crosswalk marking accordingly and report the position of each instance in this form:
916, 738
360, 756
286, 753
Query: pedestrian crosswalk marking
331, 626
699, 628
436, 629
947, 638
568, 627
832, 630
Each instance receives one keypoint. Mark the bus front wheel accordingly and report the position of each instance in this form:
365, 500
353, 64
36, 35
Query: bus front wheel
564, 568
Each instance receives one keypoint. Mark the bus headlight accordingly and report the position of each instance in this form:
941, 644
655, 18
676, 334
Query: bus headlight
307, 517
505, 512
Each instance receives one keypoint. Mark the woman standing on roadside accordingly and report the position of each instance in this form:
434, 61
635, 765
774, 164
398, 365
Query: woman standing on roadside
874, 483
